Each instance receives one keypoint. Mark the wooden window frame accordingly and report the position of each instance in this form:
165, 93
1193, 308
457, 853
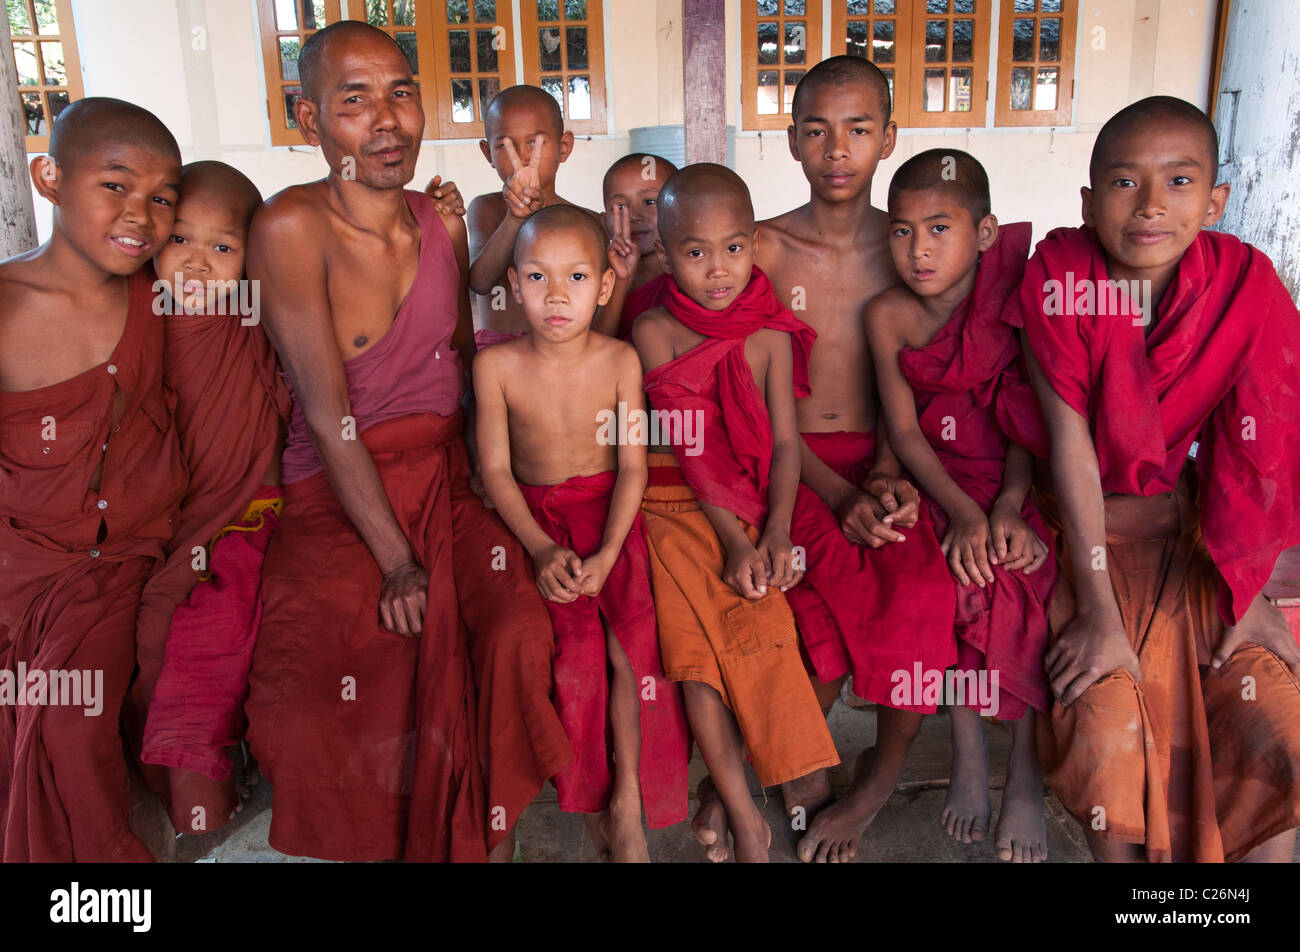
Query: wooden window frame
840, 20
281, 132
750, 67
1062, 115
439, 103
67, 36
529, 25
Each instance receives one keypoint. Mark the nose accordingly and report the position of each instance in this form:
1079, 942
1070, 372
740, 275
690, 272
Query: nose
195, 260
385, 115
135, 209
1151, 201
837, 145
920, 247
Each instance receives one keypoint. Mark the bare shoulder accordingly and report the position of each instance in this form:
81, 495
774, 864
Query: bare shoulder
457, 231
23, 282
298, 209
617, 353
891, 308
783, 235
771, 340
485, 210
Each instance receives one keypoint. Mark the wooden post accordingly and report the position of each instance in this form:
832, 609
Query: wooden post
705, 77
17, 215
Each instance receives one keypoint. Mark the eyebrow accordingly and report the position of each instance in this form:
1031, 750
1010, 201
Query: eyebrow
825, 121
358, 85
690, 238
1130, 163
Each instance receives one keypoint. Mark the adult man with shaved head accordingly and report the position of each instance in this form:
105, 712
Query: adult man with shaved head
400, 690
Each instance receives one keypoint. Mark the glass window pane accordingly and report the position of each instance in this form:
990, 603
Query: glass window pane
33, 115
856, 8
406, 40
575, 47
963, 6
768, 80
25, 56
1024, 6
882, 42
548, 47
1049, 39
936, 6
792, 77
458, 48
548, 10
767, 40
794, 8
487, 56
289, 48
1022, 41
485, 11
579, 97
1045, 91
462, 100
377, 12
767, 8
884, 6
959, 89
555, 86
47, 19
855, 38
575, 10
57, 103
1050, 6
1021, 82
404, 12
487, 91
313, 16
796, 41
889, 77
963, 41
18, 22
936, 41
291, 95
457, 11
933, 99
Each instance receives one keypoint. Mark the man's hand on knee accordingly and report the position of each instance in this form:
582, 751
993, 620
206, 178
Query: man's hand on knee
1089, 648
1263, 625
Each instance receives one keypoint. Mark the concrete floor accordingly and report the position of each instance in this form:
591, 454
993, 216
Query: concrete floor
906, 830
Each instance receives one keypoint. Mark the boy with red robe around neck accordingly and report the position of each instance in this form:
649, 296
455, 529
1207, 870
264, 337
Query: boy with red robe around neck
948, 368
188, 698
1176, 732
91, 476
865, 607
543, 403
631, 190
723, 351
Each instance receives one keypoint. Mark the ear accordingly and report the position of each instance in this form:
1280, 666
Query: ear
308, 119
566, 144
662, 255
792, 139
45, 176
988, 231
1218, 202
890, 139
486, 150
1085, 195
606, 286
514, 283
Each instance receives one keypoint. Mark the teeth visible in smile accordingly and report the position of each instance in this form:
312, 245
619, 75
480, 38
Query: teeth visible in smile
131, 241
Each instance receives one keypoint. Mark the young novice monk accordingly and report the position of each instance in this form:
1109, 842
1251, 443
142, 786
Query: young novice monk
719, 362
1177, 732
862, 609
230, 404
948, 367
631, 191
544, 402
90, 479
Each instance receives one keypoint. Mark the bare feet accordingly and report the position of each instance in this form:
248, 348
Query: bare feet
835, 831
752, 839
710, 823
624, 833
967, 810
805, 796
595, 824
1021, 833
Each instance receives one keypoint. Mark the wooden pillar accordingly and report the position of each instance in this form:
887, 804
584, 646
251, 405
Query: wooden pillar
704, 57
17, 215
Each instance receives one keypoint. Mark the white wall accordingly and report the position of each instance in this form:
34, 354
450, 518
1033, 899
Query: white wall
214, 99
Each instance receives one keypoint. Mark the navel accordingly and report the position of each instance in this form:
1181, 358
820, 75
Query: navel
830, 416
360, 341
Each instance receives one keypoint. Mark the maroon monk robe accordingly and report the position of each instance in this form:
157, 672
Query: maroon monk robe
72, 566
959, 379
574, 514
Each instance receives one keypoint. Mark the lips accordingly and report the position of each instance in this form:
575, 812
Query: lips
717, 293
132, 245
557, 320
1147, 237
838, 178
922, 274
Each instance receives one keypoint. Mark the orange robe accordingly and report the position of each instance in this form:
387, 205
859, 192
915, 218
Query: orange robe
72, 566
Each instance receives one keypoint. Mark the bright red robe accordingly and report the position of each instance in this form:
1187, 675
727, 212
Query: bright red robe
654, 293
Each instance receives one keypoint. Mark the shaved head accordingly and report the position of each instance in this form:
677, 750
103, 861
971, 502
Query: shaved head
950, 172
1143, 113
661, 167
564, 218
88, 125
517, 97
697, 183
227, 184
842, 71
312, 58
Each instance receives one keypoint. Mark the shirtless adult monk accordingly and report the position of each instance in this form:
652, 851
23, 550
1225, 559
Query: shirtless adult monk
861, 609
400, 693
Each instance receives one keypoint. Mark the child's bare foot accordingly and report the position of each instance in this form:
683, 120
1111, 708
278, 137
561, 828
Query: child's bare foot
625, 833
810, 792
835, 831
710, 823
595, 824
752, 838
967, 810
1021, 833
